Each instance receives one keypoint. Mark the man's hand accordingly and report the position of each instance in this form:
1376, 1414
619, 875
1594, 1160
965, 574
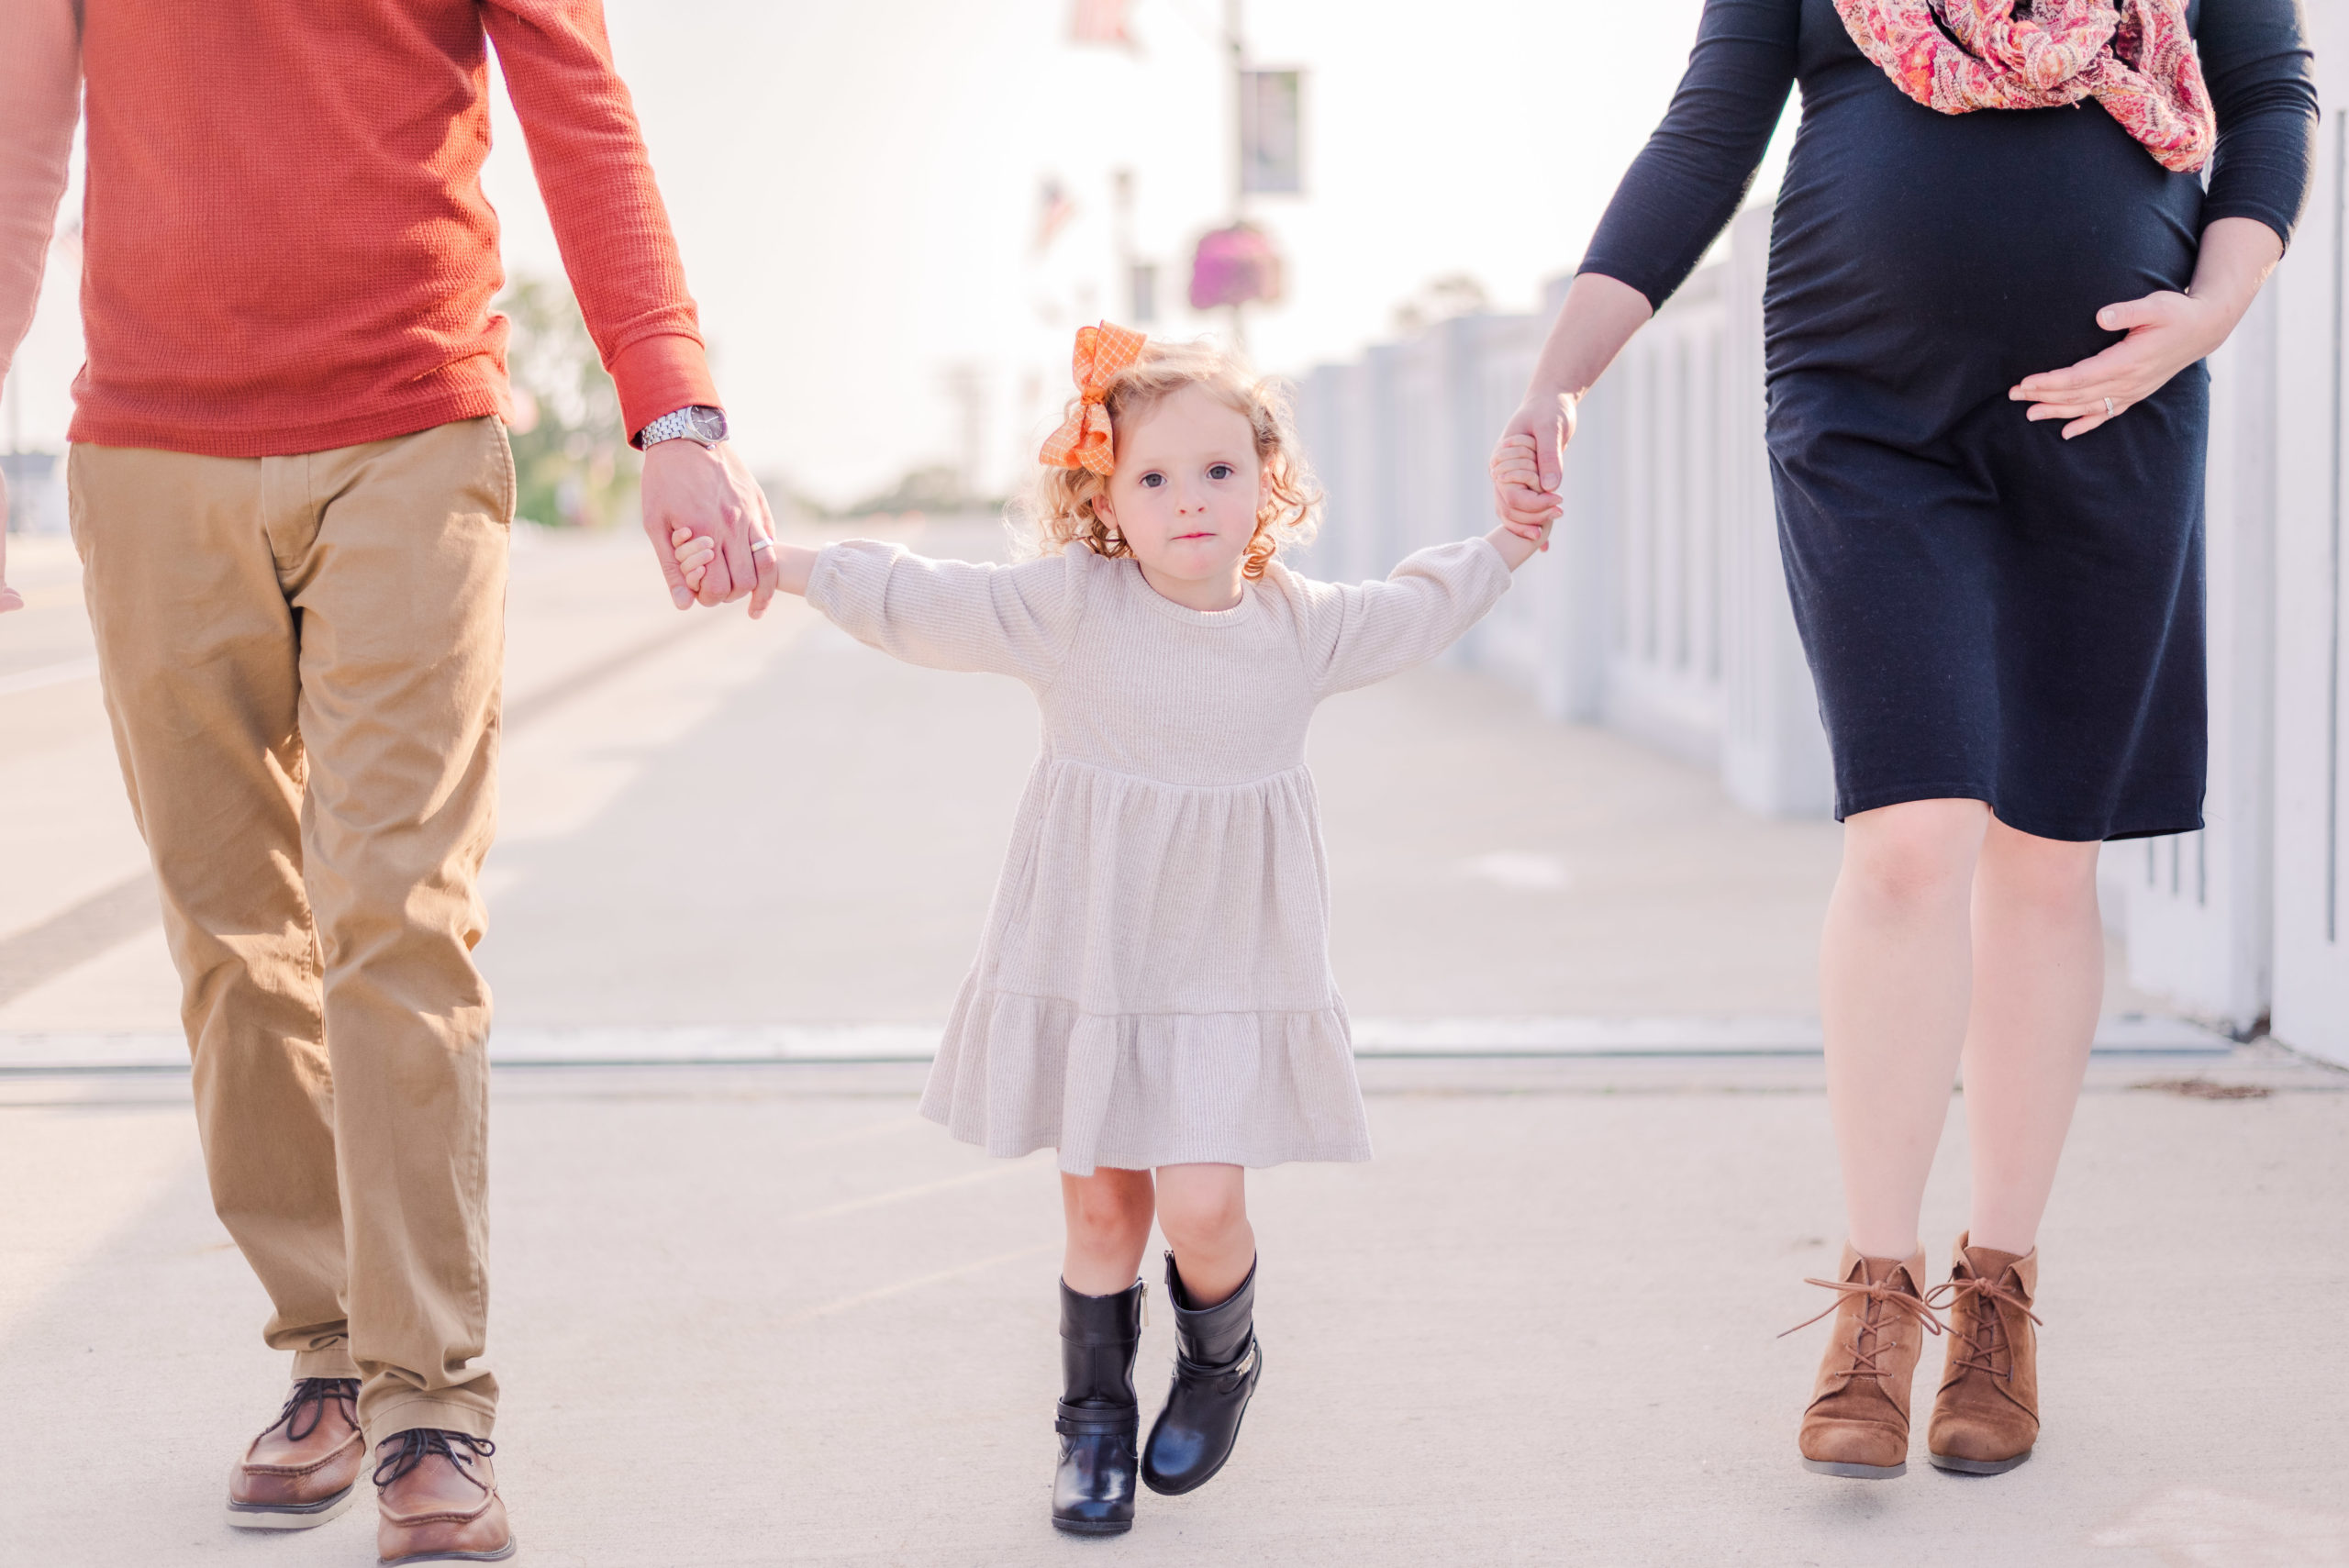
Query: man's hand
707, 492
9, 598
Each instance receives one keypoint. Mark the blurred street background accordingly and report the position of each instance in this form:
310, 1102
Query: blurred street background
749, 1310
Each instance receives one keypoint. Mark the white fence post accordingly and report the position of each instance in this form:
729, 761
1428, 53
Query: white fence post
2197, 904
2311, 796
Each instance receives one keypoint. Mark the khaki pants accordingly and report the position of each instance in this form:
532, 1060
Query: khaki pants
301, 659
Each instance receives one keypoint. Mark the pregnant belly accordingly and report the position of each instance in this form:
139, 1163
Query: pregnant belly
1945, 256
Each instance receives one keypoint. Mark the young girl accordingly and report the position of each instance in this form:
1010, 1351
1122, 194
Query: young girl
1153, 993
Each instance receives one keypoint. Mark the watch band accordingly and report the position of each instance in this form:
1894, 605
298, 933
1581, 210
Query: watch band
699, 422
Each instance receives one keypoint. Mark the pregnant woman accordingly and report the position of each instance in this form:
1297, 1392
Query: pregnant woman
1995, 272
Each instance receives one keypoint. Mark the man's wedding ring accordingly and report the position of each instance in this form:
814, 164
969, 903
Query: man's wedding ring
2108, 407
759, 544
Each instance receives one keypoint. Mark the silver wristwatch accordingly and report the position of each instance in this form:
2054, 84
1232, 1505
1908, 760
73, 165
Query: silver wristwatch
699, 424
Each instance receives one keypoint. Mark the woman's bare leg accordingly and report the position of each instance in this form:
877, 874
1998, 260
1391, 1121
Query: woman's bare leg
1109, 1224
1895, 973
2038, 985
1203, 1209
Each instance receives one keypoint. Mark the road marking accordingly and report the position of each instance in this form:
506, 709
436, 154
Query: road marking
104, 920
43, 676
535, 705
864, 1298
1530, 874
1497, 1039
98, 923
903, 1195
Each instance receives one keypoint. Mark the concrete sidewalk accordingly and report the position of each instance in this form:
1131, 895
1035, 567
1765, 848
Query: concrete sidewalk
769, 1317
765, 1315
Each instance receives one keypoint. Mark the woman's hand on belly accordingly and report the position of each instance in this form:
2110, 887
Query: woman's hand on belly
2167, 331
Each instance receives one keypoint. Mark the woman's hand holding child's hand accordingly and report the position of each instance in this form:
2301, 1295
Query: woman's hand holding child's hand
1517, 472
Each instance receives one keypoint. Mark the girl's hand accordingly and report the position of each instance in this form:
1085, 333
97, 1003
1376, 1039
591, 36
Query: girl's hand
2167, 331
1524, 494
1526, 506
695, 552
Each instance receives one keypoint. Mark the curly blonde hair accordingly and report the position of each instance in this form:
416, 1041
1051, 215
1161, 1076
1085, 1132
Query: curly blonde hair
1058, 509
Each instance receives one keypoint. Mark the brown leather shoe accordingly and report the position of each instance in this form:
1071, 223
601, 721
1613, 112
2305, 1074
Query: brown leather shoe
303, 1471
438, 1500
1986, 1417
1857, 1424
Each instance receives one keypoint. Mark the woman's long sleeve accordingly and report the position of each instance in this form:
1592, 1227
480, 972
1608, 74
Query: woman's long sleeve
952, 614
2261, 78
1687, 183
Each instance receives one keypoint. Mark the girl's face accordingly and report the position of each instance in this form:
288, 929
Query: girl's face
1186, 495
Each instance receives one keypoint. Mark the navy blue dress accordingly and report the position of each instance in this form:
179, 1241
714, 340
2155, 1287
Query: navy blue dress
1990, 612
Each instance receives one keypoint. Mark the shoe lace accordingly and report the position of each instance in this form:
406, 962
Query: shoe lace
1983, 1296
420, 1443
1872, 1340
313, 1395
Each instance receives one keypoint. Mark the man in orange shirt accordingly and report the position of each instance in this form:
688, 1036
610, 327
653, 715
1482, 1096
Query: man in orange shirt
291, 490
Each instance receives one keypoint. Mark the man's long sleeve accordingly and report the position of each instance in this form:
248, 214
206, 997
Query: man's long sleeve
617, 245
40, 89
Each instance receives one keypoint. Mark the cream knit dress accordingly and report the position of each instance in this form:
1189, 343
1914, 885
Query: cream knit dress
1153, 988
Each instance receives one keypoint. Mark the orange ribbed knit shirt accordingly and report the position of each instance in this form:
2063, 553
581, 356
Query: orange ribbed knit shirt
285, 247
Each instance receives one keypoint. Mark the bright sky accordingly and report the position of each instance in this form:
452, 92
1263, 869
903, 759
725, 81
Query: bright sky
855, 188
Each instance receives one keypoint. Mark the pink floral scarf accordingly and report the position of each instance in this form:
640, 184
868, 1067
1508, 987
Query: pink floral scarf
2134, 56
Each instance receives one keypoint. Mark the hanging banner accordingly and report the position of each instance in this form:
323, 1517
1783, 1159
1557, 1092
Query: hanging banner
1235, 266
1272, 151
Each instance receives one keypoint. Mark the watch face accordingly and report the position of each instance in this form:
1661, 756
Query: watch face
709, 424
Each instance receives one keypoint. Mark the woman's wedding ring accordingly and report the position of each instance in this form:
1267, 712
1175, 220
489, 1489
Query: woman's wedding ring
759, 544
2108, 407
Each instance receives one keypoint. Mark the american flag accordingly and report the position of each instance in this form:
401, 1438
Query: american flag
1099, 21
1053, 210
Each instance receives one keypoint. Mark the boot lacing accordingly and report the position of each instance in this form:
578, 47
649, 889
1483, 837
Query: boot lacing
1982, 1354
1871, 1342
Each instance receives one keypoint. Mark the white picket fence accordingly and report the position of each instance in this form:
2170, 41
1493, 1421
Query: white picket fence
1665, 612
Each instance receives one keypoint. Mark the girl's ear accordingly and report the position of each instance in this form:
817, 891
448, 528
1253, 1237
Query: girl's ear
1103, 510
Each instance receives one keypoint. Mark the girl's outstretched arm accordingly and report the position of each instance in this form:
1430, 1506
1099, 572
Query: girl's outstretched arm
949, 615
1357, 633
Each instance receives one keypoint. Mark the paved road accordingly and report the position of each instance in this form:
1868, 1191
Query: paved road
762, 1316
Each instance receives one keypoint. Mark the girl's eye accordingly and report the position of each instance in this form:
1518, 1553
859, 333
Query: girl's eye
1152, 481
1220, 471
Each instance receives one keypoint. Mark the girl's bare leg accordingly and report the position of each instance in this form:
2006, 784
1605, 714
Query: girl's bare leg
1109, 1224
2038, 985
1895, 969
1203, 1209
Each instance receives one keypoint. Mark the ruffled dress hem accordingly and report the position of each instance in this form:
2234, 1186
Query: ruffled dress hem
1133, 1091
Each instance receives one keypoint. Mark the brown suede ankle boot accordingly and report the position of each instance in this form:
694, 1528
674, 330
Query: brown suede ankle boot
1986, 1417
1858, 1421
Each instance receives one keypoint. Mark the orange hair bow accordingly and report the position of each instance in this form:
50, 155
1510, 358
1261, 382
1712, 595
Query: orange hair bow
1085, 439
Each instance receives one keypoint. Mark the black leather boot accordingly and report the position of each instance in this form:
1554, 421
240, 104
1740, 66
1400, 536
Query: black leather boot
1093, 1491
1216, 1364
